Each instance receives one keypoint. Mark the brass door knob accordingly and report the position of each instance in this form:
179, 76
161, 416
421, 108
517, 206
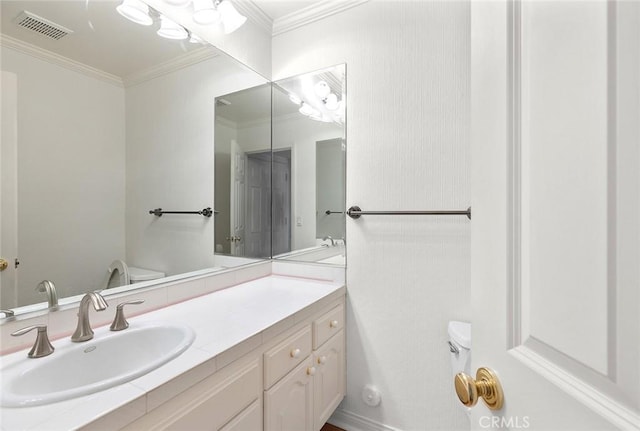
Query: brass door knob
3, 264
486, 386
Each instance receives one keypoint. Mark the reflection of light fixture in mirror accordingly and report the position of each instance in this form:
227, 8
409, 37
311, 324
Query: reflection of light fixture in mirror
171, 30
194, 38
322, 89
306, 109
136, 11
178, 3
331, 102
231, 18
205, 12
295, 99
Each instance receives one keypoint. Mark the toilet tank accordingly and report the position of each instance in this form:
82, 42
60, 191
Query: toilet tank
138, 275
460, 346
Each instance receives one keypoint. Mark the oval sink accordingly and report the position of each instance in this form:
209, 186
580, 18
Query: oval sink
77, 369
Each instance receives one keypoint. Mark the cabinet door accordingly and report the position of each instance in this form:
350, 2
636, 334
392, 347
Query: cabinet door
288, 405
329, 379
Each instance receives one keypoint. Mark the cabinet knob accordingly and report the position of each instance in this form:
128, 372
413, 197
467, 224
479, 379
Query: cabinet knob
295, 353
333, 324
311, 371
322, 360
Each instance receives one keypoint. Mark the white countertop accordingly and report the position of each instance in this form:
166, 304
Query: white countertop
221, 320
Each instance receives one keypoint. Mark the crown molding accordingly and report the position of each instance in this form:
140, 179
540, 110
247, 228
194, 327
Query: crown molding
255, 14
311, 14
188, 59
58, 60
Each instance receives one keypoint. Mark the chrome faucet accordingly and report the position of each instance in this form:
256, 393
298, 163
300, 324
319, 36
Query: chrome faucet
7, 313
83, 330
52, 297
333, 243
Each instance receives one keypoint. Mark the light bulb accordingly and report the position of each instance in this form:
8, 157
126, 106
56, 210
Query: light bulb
295, 99
171, 30
231, 18
194, 38
331, 102
205, 13
136, 11
178, 3
306, 109
322, 89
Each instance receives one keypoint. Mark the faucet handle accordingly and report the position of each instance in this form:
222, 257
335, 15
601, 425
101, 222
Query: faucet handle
42, 346
8, 313
119, 322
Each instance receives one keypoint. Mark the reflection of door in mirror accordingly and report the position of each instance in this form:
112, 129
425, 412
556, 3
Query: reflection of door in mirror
8, 190
258, 203
242, 173
309, 122
238, 171
330, 188
281, 236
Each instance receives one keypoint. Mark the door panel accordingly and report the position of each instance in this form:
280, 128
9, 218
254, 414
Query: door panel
555, 202
9, 190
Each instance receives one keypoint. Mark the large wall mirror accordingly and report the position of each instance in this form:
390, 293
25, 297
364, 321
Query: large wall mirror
100, 126
243, 173
280, 169
309, 148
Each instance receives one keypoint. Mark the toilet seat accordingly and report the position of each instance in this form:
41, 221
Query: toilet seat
117, 275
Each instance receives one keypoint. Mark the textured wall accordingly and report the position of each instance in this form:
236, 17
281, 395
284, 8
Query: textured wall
407, 148
170, 149
70, 136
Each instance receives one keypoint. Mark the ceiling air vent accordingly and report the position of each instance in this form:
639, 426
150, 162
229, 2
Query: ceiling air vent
41, 25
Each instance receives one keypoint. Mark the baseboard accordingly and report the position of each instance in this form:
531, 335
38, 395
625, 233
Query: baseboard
352, 422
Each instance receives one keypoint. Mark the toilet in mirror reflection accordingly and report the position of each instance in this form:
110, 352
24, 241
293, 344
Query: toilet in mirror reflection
120, 274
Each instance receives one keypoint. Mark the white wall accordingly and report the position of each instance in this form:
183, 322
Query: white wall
407, 148
170, 163
70, 137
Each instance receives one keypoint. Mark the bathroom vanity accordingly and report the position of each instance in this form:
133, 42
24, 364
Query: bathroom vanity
269, 354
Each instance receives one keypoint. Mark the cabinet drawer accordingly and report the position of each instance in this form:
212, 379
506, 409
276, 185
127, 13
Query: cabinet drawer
210, 404
286, 355
327, 325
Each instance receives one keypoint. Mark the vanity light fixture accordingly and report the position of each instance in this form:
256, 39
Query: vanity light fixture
194, 38
320, 104
322, 89
231, 18
171, 30
178, 3
136, 11
205, 12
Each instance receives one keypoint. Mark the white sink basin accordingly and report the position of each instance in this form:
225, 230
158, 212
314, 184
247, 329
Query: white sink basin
76, 369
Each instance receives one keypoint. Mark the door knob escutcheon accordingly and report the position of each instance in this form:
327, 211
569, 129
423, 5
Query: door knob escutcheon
3, 264
486, 386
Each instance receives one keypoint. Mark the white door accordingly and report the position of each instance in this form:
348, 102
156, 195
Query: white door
257, 239
9, 190
238, 198
556, 212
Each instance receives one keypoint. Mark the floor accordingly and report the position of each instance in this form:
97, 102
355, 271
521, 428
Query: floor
329, 427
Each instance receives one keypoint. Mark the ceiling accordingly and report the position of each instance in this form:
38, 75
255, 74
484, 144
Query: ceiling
104, 40
101, 38
276, 9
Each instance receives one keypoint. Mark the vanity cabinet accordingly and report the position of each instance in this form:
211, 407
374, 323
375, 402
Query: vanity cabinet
227, 400
329, 383
308, 393
288, 405
292, 382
